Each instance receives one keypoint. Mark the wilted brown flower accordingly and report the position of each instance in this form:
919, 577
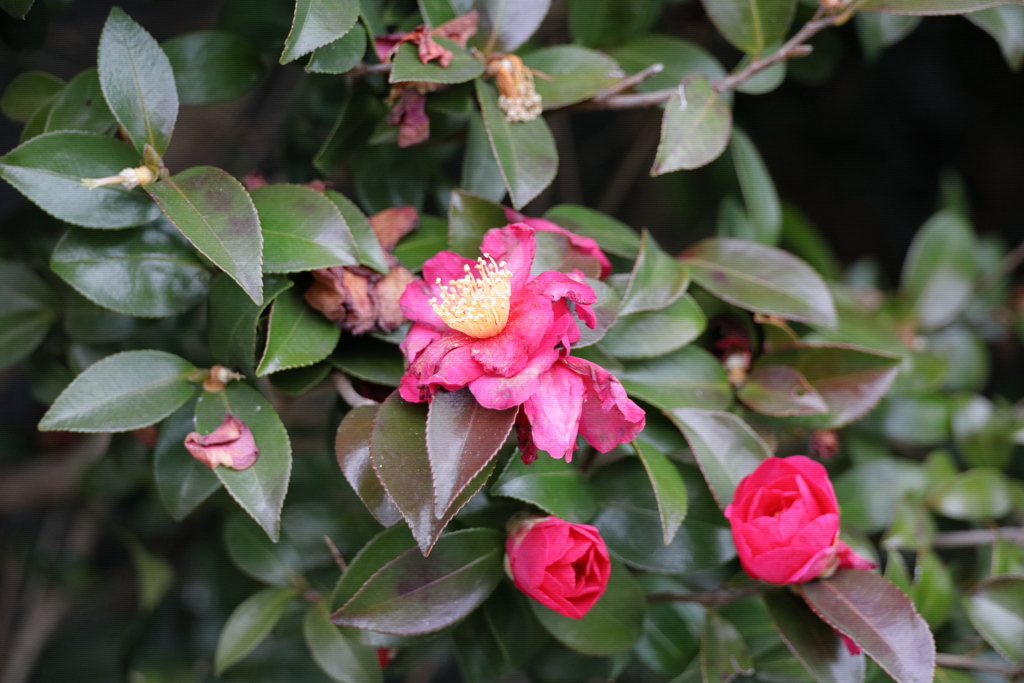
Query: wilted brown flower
517, 96
459, 30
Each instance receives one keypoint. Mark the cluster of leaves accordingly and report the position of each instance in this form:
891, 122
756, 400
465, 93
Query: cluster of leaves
148, 288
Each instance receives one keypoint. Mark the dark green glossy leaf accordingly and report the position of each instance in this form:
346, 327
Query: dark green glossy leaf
302, 230
386, 546
469, 219
233, 317
462, 438
27, 93
525, 151
781, 391
605, 23
480, 172
1006, 24
138, 82
669, 489
761, 279
298, 381
694, 132
212, 66
977, 494
576, 73
436, 12
37, 124
122, 392
939, 270
726, 448
630, 523
996, 609
413, 250
764, 81
688, 377
340, 55
277, 564
249, 624
342, 658
145, 272
932, 591
759, 195
612, 235
16, 8
803, 239
811, 640
869, 507
215, 213
655, 333
414, 594
49, 168
182, 481
553, 485
317, 23
934, 7
408, 67
611, 626
505, 26
723, 654
260, 490
879, 30
680, 59
671, 636
369, 359
371, 254
297, 335
80, 106
352, 449
89, 323
26, 311
879, 618
657, 279
751, 25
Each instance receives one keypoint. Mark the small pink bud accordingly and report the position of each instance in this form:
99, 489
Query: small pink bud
231, 445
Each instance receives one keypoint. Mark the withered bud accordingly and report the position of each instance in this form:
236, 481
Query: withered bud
218, 377
231, 445
517, 96
824, 443
359, 299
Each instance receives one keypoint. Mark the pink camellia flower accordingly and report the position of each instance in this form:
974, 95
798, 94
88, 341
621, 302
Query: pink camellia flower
785, 523
561, 565
584, 245
231, 445
507, 337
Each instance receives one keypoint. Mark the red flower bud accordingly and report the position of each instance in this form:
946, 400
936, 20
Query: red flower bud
231, 445
561, 565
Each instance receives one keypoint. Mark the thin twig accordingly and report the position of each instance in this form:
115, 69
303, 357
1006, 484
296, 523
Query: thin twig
717, 598
963, 539
628, 82
1006, 265
336, 554
977, 664
363, 69
348, 393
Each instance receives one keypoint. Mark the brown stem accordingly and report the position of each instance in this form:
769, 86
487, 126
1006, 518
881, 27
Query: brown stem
963, 539
363, 69
717, 598
628, 82
967, 662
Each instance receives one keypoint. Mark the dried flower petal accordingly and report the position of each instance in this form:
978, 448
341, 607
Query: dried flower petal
231, 445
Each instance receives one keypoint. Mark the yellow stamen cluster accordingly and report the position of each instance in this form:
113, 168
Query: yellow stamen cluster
477, 305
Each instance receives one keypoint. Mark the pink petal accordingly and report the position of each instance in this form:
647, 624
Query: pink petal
498, 393
849, 559
514, 244
554, 411
231, 445
609, 417
527, 331
584, 245
383, 45
416, 306
418, 338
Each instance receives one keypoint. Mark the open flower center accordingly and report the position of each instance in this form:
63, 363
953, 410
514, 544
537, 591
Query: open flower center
477, 305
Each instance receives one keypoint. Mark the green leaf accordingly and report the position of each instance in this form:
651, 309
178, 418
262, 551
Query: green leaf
879, 30
249, 624
122, 392
869, 507
26, 311
761, 279
317, 23
671, 637
233, 317
723, 654
277, 564
297, 336
352, 449
611, 626
302, 230
811, 640
154, 575
751, 25
16, 8
37, 124
215, 213
414, 594
669, 489
298, 381
49, 168
1006, 24
759, 193
462, 438
764, 81
146, 272
975, 495
342, 658
469, 219
688, 377
480, 172
612, 235
850, 380
655, 333
408, 67
680, 59
631, 526
693, 133
525, 151
657, 279
576, 73
805, 241
932, 591
939, 271
212, 66
436, 12
983, 432
879, 618
935, 7
996, 609
260, 489
381, 550
499, 638
504, 26
182, 481
552, 485
339, 56
781, 391
725, 447
80, 106
27, 93
605, 23
138, 82
370, 359
371, 254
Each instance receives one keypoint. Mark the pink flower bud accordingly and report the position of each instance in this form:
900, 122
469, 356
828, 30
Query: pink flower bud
231, 445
